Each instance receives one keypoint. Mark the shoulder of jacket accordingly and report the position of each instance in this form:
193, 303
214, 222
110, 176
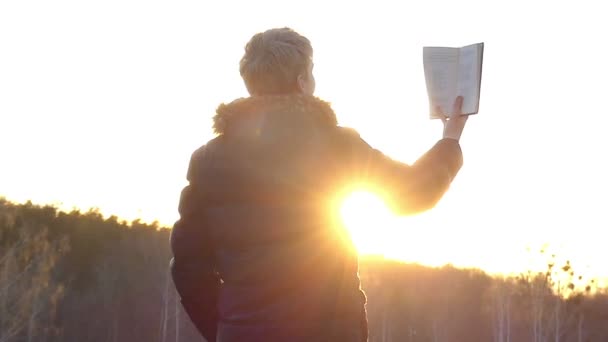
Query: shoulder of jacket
207, 149
347, 132
201, 156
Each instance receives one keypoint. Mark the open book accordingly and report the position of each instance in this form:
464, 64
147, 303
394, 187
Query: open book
452, 72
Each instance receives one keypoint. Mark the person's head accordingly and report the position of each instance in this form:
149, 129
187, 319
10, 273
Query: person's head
278, 61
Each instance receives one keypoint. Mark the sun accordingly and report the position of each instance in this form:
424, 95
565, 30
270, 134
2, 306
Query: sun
376, 230
367, 218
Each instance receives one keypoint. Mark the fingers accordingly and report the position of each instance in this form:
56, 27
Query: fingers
437, 112
457, 109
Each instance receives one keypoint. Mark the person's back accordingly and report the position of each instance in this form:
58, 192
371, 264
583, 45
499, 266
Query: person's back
259, 251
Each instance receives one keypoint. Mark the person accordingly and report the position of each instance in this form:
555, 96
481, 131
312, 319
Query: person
259, 252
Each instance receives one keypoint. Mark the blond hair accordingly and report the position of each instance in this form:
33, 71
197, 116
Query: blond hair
273, 60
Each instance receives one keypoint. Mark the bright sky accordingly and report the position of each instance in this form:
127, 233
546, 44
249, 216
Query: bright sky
102, 103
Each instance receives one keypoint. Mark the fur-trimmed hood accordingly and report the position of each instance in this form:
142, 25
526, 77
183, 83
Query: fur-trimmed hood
291, 108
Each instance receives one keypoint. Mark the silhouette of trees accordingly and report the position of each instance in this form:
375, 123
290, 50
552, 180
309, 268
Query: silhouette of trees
29, 288
79, 277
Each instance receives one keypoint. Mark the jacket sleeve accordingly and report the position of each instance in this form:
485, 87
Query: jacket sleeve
192, 266
408, 189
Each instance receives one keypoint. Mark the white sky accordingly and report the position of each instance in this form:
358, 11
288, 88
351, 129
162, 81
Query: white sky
102, 103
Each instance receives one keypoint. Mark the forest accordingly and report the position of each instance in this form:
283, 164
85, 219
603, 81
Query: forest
78, 276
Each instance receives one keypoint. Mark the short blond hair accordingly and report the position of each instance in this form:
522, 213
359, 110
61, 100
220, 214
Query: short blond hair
273, 60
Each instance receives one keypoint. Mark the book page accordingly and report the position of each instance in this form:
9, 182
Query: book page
469, 77
441, 74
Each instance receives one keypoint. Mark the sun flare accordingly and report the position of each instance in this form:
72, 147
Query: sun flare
376, 230
367, 217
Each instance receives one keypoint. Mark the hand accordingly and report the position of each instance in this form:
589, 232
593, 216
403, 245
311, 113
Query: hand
454, 124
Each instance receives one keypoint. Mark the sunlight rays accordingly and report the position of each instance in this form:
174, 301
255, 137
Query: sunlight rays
427, 238
375, 230
367, 219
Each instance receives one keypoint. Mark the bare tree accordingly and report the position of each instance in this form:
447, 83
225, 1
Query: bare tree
501, 301
28, 292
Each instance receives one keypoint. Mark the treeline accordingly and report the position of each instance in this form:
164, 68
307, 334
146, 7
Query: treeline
79, 277
416, 303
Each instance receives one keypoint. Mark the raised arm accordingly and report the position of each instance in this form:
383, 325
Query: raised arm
408, 189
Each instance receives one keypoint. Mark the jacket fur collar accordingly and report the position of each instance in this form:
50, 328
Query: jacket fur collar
286, 107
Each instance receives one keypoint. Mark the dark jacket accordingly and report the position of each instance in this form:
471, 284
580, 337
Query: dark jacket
259, 251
